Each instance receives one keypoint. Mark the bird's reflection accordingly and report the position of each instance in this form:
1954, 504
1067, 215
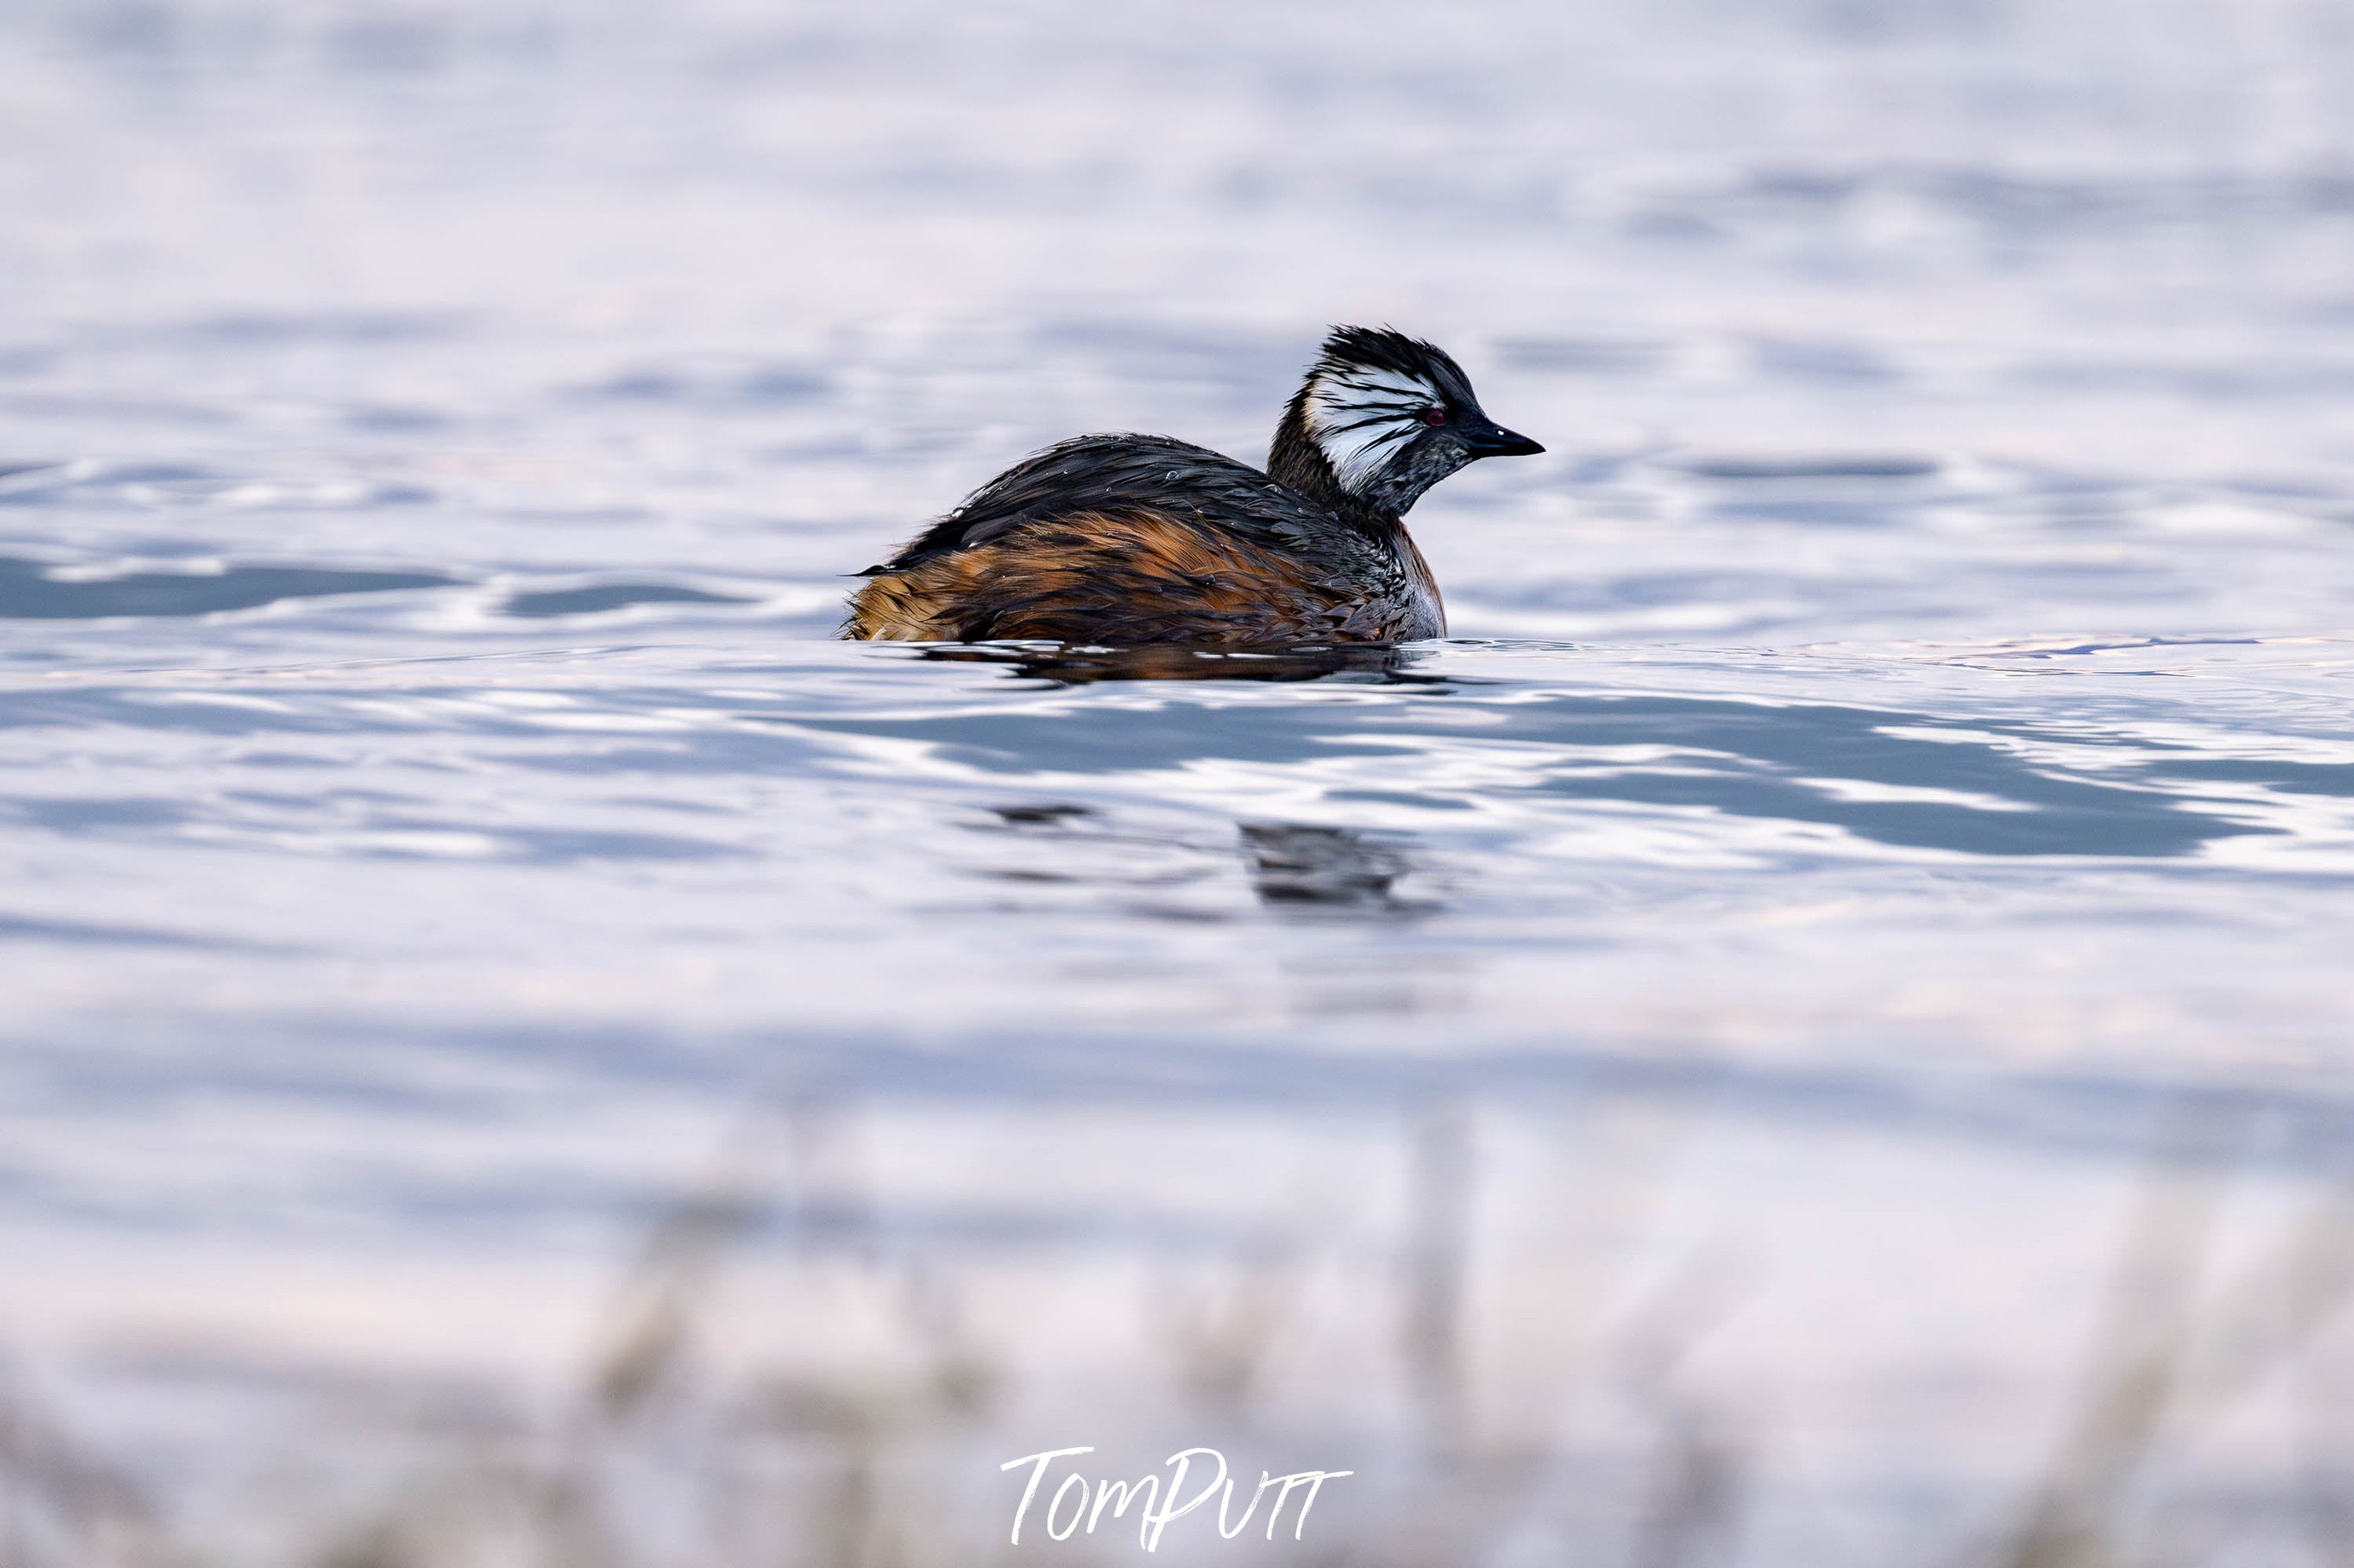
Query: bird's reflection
1293, 868
1326, 870
1078, 665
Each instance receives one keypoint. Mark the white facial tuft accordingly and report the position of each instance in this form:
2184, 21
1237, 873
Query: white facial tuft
1361, 416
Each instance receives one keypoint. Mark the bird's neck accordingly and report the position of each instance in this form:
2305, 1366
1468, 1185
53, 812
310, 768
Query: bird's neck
1297, 462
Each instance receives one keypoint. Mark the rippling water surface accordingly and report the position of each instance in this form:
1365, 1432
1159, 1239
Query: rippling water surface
1895, 744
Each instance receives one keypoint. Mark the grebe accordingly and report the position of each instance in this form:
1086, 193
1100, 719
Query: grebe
1124, 541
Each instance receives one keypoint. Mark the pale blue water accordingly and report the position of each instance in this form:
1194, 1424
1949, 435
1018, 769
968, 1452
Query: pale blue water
1896, 739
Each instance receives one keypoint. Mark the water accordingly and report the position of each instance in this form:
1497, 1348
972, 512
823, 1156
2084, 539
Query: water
1895, 752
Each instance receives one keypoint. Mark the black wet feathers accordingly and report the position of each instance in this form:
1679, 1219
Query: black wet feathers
1116, 473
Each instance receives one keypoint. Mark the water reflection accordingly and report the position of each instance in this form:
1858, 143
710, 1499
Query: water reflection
1082, 666
29, 590
1886, 775
1296, 867
598, 597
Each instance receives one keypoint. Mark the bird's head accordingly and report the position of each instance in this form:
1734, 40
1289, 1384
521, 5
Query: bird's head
1380, 419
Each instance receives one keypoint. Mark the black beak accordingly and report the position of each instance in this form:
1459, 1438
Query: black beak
1483, 438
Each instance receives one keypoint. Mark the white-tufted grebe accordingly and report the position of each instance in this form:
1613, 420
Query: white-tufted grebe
1127, 541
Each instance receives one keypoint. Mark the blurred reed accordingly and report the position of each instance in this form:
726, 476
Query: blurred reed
658, 1455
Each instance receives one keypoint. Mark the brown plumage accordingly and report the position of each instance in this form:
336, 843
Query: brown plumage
1127, 541
1122, 579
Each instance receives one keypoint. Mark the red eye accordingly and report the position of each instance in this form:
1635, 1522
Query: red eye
1434, 416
